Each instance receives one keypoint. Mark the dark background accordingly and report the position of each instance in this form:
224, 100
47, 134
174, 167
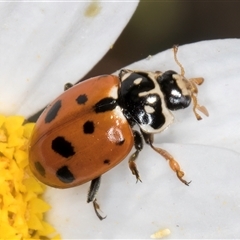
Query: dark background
158, 25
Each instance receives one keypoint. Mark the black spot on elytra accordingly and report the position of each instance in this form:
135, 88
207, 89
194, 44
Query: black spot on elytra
65, 175
82, 99
107, 161
88, 127
40, 168
61, 146
105, 104
53, 111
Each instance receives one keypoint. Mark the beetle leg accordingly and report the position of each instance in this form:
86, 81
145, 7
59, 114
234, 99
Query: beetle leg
194, 91
138, 143
172, 162
95, 184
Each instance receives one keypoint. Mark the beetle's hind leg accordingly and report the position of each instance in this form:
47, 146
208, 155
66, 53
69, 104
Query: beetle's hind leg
95, 184
172, 162
138, 143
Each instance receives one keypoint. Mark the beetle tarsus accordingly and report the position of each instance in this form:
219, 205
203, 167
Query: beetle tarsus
95, 184
138, 143
180, 175
133, 166
96, 209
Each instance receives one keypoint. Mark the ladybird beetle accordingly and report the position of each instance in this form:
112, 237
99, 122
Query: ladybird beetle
99, 113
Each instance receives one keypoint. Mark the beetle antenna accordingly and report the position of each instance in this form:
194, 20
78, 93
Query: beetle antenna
175, 50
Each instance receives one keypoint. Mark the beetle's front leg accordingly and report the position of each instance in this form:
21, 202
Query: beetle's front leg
138, 143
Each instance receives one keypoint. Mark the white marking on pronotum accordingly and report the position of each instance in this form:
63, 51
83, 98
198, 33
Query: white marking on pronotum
149, 109
152, 99
182, 84
137, 81
165, 111
125, 75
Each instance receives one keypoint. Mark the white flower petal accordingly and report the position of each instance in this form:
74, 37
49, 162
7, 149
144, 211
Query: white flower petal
44, 45
208, 208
